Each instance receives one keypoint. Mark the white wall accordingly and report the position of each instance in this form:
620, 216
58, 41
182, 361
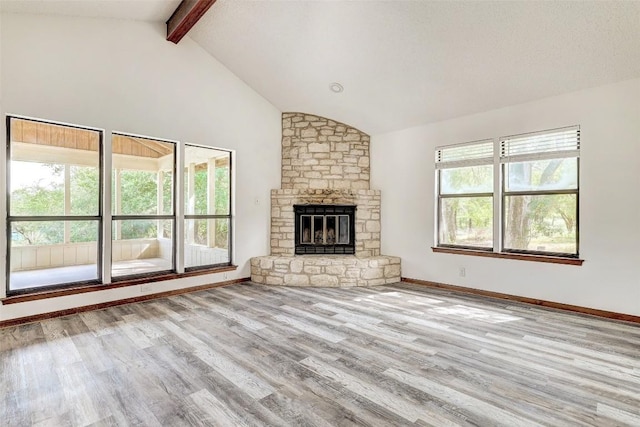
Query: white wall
609, 117
123, 76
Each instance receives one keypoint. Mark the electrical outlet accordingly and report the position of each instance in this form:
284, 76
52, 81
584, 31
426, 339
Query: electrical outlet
225, 276
462, 272
145, 288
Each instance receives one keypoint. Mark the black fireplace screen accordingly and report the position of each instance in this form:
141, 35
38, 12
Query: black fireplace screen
325, 229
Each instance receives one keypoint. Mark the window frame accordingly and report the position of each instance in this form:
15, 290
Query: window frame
98, 218
458, 164
504, 193
500, 194
228, 216
105, 218
132, 217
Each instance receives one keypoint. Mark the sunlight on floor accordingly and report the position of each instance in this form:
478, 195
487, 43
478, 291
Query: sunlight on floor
465, 312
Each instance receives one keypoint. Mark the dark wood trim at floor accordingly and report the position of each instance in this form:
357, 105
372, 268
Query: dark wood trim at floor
550, 304
74, 290
509, 255
100, 306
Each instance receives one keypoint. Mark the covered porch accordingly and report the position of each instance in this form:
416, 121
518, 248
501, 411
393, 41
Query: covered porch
58, 239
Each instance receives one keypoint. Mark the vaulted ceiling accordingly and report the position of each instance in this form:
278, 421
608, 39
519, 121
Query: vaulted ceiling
401, 63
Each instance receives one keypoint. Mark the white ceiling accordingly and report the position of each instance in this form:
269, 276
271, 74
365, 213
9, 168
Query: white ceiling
138, 10
405, 63
402, 63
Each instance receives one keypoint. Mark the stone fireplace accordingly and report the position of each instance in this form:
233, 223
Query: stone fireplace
325, 220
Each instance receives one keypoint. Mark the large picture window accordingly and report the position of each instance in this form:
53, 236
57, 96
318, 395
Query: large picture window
53, 205
143, 218
533, 178
207, 223
58, 225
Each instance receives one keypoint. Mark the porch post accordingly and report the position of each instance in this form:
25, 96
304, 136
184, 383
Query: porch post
211, 202
160, 201
67, 202
117, 198
191, 198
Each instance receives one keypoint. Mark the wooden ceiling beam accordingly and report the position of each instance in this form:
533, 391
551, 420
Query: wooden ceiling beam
185, 17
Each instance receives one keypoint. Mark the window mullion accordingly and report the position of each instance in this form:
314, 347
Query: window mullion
436, 213
106, 209
497, 198
178, 195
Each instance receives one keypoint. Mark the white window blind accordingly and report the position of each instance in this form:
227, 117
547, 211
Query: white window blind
463, 155
550, 144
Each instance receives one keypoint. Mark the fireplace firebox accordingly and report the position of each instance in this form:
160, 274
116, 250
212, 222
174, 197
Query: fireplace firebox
324, 229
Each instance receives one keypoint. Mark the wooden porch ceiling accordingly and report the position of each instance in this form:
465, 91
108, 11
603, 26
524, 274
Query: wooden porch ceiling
32, 132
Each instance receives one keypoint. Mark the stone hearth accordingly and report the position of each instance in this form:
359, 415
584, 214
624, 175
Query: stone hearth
325, 270
324, 162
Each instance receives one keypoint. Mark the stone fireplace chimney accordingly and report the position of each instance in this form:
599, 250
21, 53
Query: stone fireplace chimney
324, 162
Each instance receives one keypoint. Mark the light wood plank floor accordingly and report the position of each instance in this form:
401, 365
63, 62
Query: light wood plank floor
253, 355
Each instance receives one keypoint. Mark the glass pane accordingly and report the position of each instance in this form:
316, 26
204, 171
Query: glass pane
82, 231
201, 196
474, 179
206, 242
306, 229
467, 221
141, 246
37, 189
54, 169
137, 193
85, 190
41, 256
318, 229
555, 174
207, 181
165, 178
331, 230
343, 229
142, 181
545, 223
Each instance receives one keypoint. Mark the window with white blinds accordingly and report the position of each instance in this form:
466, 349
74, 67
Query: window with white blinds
531, 206
550, 144
467, 154
465, 195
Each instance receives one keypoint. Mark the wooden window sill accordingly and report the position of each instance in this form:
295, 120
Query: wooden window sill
54, 293
507, 255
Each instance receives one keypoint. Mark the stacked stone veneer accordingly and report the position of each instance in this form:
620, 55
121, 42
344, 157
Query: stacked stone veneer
367, 217
324, 162
319, 153
326, 270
